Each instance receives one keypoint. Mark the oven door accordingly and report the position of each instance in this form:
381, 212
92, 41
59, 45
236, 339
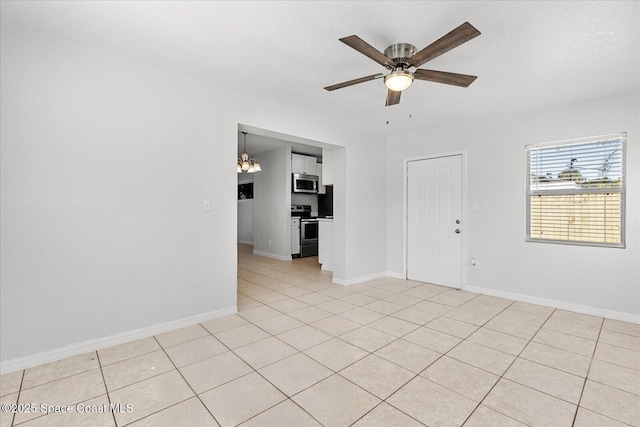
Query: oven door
308, 237
308, 231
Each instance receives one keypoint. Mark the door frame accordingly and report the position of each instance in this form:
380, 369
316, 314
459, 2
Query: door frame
463, 219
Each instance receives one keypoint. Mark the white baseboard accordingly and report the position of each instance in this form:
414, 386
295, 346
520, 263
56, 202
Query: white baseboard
594, 311
274, 256
100, 343
356, 280
248, 242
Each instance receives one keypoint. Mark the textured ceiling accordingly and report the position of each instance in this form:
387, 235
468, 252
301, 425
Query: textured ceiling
530, 55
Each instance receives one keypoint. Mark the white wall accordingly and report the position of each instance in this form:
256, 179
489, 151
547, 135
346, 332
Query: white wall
601, 278
245, 221
105, 163
366, 192
272, 202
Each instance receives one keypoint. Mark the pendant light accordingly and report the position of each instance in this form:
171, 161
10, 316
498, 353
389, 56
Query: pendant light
245, 164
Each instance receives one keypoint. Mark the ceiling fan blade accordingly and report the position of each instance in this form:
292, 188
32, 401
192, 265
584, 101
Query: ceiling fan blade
455, 38
353, 82
366, 49
455, 79
393, 97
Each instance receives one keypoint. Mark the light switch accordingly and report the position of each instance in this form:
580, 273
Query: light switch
206, 205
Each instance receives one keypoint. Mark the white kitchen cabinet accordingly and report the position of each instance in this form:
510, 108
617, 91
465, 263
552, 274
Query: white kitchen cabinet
325, 243
303, 164
295, 236
321, 188
310, 165
297, 163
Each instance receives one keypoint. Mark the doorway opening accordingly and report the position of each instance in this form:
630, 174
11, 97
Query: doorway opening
264, 224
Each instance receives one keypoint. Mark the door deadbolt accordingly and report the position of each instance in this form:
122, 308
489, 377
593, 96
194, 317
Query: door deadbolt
457, 221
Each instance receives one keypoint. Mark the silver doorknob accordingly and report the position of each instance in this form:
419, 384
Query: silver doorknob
457, 231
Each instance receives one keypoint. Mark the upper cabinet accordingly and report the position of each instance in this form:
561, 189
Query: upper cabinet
303, 164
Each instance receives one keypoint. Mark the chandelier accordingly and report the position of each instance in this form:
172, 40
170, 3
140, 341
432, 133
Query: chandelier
245, 164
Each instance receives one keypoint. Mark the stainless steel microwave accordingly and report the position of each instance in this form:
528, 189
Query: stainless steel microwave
303, 183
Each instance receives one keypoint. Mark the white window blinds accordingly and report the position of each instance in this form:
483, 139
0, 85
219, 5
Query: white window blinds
575, 191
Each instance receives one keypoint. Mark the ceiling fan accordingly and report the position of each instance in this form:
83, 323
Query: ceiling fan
400, 57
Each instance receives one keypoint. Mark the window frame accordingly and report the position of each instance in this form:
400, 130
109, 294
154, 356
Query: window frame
623, 189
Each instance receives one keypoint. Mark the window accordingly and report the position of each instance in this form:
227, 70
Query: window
576, 191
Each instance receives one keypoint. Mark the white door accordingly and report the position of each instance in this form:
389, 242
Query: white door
434, 229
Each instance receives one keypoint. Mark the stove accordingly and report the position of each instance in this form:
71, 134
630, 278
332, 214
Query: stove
308, 230
301, 211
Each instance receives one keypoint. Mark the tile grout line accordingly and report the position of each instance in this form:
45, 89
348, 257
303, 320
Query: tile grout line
611, 386
131, 358
186, 382
162, 373
287, 397
244, 375
384, 401
303, 353
539, 363
506, 370
61, 378
13, 417
398, 338
272, 290
398, 389
419, 375
577, 405
432, 363
333, 372
49, 382
586, 377
104, 381
617, 346
626, 334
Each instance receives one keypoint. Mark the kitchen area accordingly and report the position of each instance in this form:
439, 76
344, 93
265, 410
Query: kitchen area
311, 210
300, 176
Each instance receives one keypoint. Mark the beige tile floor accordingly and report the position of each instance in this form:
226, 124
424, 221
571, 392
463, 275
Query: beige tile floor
304, 352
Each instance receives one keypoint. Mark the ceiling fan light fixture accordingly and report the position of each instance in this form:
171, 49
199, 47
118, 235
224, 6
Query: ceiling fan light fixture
400, 57
398, 80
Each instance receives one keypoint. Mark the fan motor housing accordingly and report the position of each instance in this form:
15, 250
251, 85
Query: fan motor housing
400, 52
